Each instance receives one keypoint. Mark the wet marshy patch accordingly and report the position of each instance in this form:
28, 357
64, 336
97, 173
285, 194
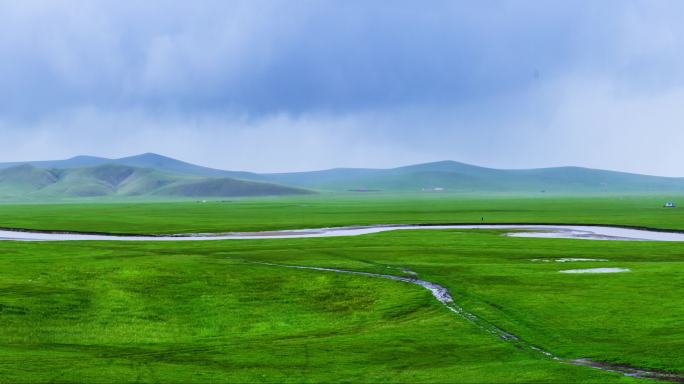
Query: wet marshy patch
596, 270
566, 260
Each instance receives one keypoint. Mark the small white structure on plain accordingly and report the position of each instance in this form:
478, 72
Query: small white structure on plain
670, 204
433, 189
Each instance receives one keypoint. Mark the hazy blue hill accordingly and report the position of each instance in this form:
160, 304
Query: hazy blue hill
163, 163
446, 166
339, 178
456, 176
156, 175
109, 180
74, 162
453, 176
587, 179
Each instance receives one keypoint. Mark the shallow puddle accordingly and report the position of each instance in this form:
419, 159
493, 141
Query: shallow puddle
596, 270
566, 260
573, 259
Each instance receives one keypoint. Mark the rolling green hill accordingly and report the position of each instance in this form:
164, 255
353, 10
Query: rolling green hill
24, 179
145, 160
30, 182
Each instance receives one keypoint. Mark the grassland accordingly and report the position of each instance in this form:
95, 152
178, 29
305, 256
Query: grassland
337, 210
200, 312
204, 312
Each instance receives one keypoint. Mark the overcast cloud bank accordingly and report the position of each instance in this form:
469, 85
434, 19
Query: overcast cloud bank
279, 86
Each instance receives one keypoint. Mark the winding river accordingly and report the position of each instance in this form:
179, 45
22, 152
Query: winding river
589, 232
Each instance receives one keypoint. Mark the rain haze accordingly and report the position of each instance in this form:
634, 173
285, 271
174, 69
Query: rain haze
300, 85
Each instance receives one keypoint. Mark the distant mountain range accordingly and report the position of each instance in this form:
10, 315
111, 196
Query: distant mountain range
154, 175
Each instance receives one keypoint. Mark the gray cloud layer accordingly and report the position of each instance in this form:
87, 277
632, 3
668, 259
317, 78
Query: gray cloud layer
283, 85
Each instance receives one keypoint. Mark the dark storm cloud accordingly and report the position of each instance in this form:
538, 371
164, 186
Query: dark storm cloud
266, 57
312, 84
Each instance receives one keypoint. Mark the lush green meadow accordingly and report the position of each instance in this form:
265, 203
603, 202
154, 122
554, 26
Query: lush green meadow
201, 312
336, 210
206, 312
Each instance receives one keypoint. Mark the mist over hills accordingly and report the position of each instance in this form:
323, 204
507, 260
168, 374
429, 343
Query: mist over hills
160, 176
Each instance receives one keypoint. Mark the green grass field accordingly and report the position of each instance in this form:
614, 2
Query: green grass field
336, 210
204, 312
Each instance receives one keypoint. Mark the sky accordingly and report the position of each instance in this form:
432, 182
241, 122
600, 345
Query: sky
273, 86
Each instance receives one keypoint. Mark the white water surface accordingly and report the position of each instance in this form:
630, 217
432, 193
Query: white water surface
567, 260
596, 270
539, 231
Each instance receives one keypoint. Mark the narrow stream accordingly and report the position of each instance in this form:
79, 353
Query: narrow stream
442, 295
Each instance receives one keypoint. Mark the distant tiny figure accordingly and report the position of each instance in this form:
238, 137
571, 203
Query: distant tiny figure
483, 219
